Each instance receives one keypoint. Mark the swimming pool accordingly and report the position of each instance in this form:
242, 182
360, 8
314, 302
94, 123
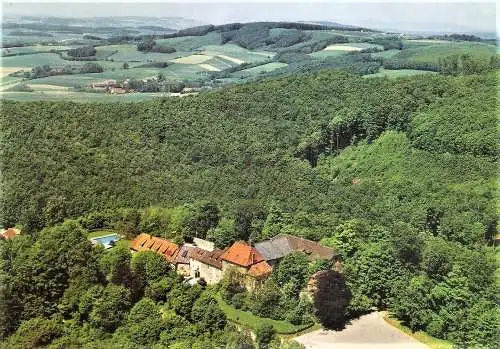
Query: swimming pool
107, 240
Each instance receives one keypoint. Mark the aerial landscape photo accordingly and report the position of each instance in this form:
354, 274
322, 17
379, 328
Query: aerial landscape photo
249, 175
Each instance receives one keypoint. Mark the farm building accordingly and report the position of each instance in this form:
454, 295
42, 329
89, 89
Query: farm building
206, 264
181, 259
245, 264
146, 242
102, 83
282, 245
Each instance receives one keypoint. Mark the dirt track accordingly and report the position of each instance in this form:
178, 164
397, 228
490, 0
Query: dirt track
369, 331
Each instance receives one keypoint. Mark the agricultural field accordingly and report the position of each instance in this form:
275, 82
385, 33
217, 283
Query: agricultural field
385, 54
79, 96
236, 54
36, 49
37, 59
191, 43
128, 53
397, 73
203, 61
340, 49
433, 52
259, 69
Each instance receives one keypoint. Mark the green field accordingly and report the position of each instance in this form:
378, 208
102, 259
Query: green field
129, 53
385, 54
259, 69
237, 52
79, 96
329, 52
37, 59
36, 49
252, 321
432, 53
397, 73
191, 43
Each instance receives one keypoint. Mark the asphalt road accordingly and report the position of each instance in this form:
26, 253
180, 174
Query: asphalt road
368, 332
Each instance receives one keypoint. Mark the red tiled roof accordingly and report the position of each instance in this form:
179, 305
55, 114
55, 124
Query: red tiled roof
212, 258
242, 254
140, 240
146, 242
260, 270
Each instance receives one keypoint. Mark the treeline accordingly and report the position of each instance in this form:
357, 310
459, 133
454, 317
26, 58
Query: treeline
456, 37
84, 51
47, 70
458, 64
158, 84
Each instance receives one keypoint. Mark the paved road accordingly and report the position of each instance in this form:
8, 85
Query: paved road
367, 332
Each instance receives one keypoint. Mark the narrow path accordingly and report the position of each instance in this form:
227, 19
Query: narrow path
367, 332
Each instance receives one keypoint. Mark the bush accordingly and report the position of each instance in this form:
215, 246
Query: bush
238, 300
36, 332
264, 335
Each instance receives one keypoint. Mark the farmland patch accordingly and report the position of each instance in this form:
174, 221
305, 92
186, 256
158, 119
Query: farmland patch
259, 69
47, 87
209, 67
192, 59
9, 70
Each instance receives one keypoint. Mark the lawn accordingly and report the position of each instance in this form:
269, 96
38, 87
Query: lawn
249, 320
432, 342
97, 233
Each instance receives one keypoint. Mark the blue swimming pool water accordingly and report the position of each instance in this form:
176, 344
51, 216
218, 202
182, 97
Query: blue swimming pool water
106, 240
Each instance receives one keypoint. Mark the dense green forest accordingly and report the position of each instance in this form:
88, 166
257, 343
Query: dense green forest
398, 175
